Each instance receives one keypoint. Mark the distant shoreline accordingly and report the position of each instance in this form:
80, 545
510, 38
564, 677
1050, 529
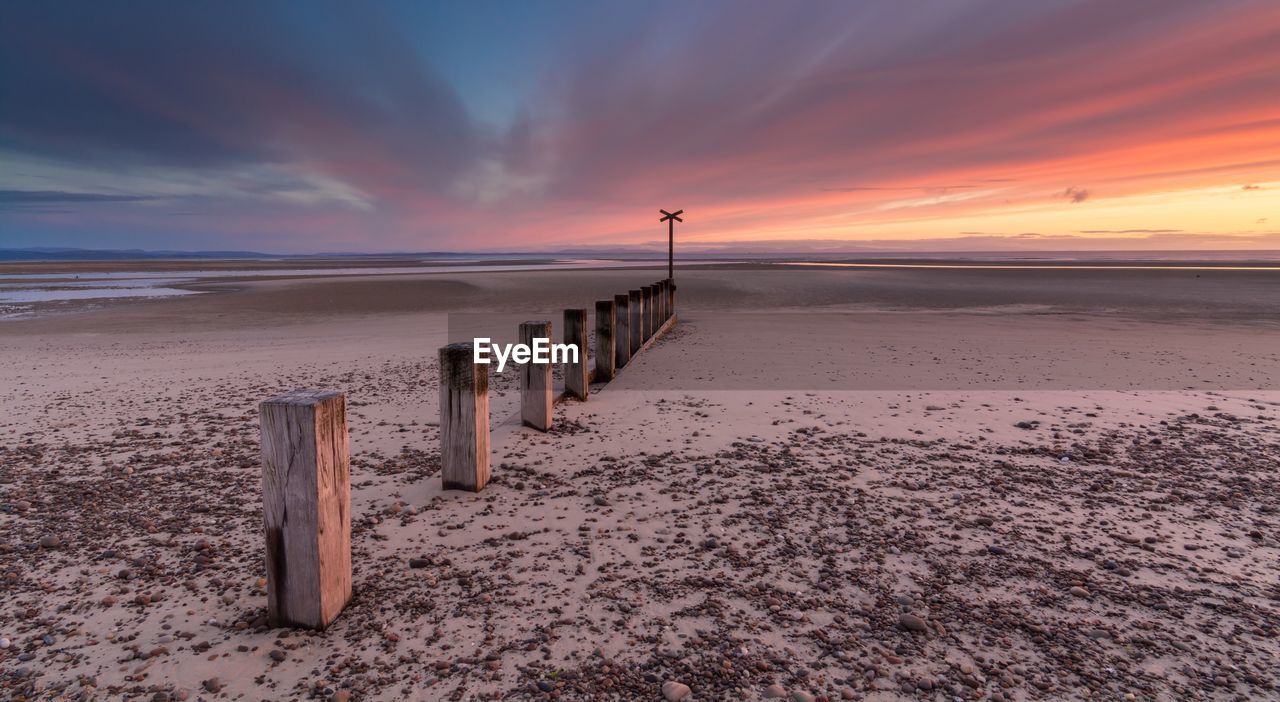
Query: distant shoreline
1224, 260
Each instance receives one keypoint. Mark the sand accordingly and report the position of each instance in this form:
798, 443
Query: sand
869, 484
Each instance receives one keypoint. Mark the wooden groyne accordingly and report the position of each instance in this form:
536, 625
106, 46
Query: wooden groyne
306, 474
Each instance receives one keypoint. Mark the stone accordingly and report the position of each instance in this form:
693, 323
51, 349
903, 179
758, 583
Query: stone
673, 691
911, 622
1078, 591
774, 692
50, 541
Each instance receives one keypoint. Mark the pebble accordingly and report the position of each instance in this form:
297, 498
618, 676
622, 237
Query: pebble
5, 643
1079, 591
801, 696
673, 691
911, 622
774, 692
50, 541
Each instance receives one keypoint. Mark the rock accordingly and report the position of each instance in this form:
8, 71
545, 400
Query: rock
1078, 591
50, 541
997, 550
5, 643
278, 655
774, 692
419, 562
801, 696
673, 691
911, 622
212, 685
340, 696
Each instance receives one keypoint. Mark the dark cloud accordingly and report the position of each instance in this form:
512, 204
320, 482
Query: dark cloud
46, 197
230, 84
1130, 231
1076, 195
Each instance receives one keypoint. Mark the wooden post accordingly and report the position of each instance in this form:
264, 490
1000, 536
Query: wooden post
577, 377
646, 311
622, 335
657, 306
671, 296
662, 300
606, 354
636, 303
535, 380
655, 313
306, 507
464, 419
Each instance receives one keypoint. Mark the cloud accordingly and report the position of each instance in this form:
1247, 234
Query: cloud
338, 125
1130, 231
1076, 195
47, 197
232, 87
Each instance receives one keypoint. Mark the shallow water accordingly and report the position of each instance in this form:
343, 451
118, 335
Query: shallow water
22, 288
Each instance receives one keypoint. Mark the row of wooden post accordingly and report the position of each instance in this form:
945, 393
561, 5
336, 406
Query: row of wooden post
306, 469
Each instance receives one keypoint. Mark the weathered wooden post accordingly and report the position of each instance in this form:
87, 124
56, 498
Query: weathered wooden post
646, 311
622, 333
464, 419
535, 380
671, 296
306, 507
656, 314
606, 354
577, 376
657, 306
662, 301
636, 301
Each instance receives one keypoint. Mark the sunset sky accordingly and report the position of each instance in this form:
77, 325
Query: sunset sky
901, 125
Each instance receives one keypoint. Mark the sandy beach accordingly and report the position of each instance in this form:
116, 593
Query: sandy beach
821, 484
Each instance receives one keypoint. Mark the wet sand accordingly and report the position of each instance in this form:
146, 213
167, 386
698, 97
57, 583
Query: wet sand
877, 484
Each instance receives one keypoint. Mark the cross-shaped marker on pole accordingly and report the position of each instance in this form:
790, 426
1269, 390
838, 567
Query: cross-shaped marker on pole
671, 218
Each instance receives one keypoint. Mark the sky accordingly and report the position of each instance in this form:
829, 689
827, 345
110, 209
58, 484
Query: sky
533, 126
